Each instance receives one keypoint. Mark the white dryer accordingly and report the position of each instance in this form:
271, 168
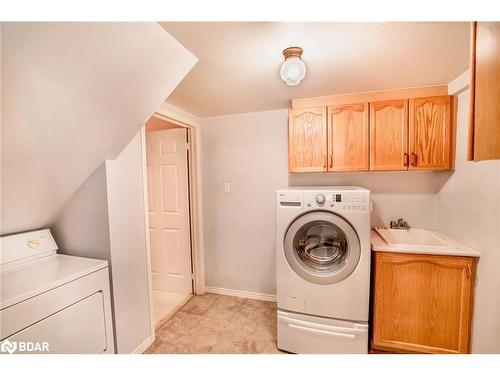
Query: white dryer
52, 303
323, 269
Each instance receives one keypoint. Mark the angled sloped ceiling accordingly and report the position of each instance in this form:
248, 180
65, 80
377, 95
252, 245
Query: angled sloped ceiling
73, 95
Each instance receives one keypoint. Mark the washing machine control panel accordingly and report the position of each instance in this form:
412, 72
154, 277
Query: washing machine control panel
338, 201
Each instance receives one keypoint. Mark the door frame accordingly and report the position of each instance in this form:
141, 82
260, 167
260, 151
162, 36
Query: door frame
192, 124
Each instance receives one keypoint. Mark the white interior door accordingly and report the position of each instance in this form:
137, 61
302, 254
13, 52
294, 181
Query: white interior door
168, 200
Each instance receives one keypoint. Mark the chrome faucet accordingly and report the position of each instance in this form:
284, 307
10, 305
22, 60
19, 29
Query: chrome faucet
400, 224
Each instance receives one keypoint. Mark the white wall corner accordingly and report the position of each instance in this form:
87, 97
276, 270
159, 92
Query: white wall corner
178, 114
459, 84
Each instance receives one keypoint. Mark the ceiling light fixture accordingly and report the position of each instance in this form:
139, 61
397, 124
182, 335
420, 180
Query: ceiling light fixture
293, 69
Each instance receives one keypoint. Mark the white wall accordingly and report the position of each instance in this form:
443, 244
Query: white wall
105, 219
82, 226
250, 151
247, 151
127, 230
468, 210
409, 195
74, 94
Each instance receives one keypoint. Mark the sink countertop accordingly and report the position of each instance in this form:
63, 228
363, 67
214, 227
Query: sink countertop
458, 249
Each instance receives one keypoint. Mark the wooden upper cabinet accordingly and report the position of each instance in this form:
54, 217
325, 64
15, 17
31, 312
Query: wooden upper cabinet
307, 139
389, 135
394, 130
422, 303
348, 137
430, 133
484, 126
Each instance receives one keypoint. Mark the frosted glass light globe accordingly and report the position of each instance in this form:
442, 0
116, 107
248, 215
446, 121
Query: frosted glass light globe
293, 71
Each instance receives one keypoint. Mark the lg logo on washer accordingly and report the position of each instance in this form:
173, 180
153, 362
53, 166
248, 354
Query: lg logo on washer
11, 347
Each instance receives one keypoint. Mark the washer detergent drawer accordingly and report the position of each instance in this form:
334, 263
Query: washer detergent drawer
299, 333
79, 328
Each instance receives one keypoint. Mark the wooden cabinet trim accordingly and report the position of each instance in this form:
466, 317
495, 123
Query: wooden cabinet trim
371, 96
358, 107
398, 103
472, 93
404, 347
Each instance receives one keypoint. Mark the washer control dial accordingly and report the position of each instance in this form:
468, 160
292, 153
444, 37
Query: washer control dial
320, 199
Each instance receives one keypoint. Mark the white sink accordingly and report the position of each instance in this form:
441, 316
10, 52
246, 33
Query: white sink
414, 238
418, 241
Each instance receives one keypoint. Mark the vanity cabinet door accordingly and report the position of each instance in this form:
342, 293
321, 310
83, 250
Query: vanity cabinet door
422, 303
389, 135
430, 133
307, 139
348, 137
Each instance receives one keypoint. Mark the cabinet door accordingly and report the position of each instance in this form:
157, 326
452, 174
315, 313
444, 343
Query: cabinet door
430, 133
307, 140
389, 135
422, 303
348, 137
484, 132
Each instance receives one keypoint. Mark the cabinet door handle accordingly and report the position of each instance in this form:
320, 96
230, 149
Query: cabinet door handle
414, 161
406, 158
330, 157
324, 162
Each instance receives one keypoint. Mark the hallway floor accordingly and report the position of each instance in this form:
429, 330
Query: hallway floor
166, 304
213, 323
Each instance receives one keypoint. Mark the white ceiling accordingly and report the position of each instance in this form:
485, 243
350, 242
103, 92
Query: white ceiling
238, 68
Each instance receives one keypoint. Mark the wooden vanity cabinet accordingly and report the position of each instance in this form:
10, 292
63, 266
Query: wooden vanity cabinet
422, 303
307, 140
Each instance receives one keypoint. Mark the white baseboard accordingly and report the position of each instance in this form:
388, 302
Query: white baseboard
146, 344
241, 293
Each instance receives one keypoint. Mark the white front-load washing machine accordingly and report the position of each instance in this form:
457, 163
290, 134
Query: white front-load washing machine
323, 269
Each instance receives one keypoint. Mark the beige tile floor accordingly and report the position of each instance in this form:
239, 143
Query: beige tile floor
166, 304
212, 323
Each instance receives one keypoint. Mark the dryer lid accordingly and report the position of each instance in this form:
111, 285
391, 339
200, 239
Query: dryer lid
30, 265
38, 276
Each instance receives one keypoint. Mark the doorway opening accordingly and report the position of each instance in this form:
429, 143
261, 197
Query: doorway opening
168, 190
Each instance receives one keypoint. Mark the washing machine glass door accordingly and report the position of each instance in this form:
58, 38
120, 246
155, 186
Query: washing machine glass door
322, 247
